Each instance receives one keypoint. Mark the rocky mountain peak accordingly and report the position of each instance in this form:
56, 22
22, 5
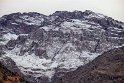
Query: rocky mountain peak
88, 12
40, 45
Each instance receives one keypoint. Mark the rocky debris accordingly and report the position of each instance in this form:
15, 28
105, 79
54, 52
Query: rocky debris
106, 68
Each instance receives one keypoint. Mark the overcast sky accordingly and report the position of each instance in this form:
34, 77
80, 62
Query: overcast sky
112, 8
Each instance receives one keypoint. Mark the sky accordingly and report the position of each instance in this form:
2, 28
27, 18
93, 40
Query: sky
111, 8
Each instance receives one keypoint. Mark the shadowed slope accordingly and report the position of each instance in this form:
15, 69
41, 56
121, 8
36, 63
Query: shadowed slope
106, 68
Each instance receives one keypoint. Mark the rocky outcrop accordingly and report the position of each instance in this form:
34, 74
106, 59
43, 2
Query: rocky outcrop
106, 68
21, 39
11, 44
41, 53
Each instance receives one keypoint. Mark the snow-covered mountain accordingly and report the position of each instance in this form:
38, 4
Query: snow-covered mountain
40, 45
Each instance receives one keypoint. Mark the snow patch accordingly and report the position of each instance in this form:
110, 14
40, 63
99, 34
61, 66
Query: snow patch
10, 36
7, 37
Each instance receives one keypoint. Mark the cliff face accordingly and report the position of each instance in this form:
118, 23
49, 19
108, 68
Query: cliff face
106, 68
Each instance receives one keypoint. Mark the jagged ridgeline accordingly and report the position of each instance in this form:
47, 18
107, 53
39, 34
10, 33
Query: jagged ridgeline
41, 45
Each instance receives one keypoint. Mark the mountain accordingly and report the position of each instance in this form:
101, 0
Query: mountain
42, 45
106, 68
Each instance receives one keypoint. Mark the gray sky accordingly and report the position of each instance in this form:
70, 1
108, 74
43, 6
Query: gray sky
112, 8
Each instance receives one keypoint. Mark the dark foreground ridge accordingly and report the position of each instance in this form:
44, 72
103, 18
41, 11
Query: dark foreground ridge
7, 76
106, 68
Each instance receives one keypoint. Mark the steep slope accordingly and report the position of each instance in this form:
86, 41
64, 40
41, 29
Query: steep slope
7, 76
40, 45
106, 68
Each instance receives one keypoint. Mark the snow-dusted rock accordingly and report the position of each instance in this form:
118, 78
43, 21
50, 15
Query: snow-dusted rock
40, 45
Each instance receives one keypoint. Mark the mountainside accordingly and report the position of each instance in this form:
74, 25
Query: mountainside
40, 45
7, 76
106, 68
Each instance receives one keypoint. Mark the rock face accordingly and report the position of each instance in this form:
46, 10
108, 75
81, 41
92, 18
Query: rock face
41, 45
106, 68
